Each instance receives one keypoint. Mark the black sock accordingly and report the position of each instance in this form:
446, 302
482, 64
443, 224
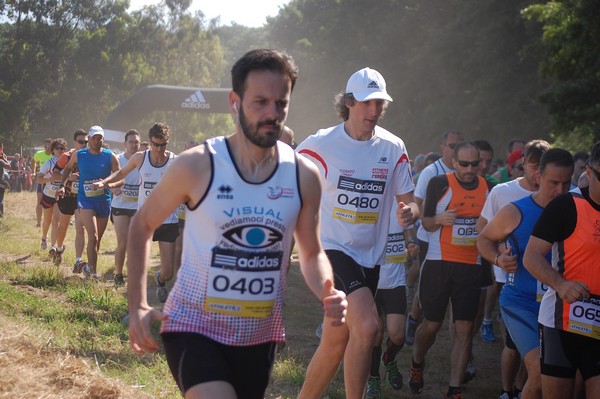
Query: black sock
391, 351
453, 390
416, 365
375, 359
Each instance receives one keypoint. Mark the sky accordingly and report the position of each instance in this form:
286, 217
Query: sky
243, 12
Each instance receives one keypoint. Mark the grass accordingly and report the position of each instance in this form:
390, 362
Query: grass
84, 319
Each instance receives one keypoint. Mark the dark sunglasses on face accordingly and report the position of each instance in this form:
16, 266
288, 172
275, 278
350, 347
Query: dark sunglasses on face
60, 148
518, 166
82, 142
158, 145
595, 172
465, 164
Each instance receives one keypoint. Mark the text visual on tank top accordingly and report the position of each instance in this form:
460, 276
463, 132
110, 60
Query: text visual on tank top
128, 199
244, 277
150, 175
576, 258
236, 250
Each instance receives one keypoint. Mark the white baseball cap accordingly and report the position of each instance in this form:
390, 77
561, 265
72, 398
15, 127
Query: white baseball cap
94, 130
367, 84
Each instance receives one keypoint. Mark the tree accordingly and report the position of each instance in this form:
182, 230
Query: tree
570, 48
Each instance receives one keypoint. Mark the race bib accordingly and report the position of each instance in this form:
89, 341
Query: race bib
584, 317
243, 283
464, 232
74, 187
358, 200
89, 191
395, 250
130, 192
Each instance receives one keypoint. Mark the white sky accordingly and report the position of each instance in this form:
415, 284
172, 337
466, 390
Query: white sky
243, 12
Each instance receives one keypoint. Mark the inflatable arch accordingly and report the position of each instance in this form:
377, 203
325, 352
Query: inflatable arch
162, 98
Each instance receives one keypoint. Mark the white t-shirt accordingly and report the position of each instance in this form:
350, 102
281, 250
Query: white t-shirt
150, 175
500, 196
435, 169
360, 180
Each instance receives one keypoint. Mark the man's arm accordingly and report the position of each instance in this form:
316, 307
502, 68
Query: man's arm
116, 178
495, 231
535, 262
314, 263
186, 180
408, 211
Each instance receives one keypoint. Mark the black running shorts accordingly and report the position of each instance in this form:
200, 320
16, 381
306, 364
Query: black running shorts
195, 359
349, 275
166, 232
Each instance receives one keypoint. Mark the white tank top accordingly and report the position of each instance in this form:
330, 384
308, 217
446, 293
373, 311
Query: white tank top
51, 188
236, 250
128, 199
150, 175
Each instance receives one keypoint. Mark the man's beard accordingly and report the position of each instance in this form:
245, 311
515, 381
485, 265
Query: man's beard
252, 134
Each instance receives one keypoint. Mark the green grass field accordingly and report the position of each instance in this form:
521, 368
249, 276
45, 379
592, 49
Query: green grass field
68, 319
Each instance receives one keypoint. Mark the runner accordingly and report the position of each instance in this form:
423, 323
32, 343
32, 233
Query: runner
40, 158
246, 194
391, 306
94, 163
520, 297
67, 204
355, 209
152, 165
452, 268
51, 186
568, 316
125, 202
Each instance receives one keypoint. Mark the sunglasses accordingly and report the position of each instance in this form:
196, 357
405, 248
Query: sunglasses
82, 142
61, 148
596, 173
465, 164
158, 145
518, 166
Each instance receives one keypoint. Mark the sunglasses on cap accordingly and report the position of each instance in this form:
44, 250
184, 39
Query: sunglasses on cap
465, 164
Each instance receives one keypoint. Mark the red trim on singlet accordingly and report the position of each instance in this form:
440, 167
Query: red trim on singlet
317, 157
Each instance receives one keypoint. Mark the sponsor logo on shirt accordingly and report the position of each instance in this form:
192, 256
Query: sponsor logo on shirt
225, 192
280, 192
361, 186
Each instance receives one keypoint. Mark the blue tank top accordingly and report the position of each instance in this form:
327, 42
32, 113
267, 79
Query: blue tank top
521, 285
93, 167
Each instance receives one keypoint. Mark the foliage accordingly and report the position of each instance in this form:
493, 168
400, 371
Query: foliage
570, 45
66, 64
458, 64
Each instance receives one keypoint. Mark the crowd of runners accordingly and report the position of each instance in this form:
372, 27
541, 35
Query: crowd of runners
385, 243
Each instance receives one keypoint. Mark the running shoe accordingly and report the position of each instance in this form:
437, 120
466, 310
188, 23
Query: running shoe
393, 375
119, 280
52, 252
58, 256
454, 396
44, 243
411, 330
373, 388
161, 289
487, 332
416, 383
78, 266
470, 372
505, 395
86, 271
